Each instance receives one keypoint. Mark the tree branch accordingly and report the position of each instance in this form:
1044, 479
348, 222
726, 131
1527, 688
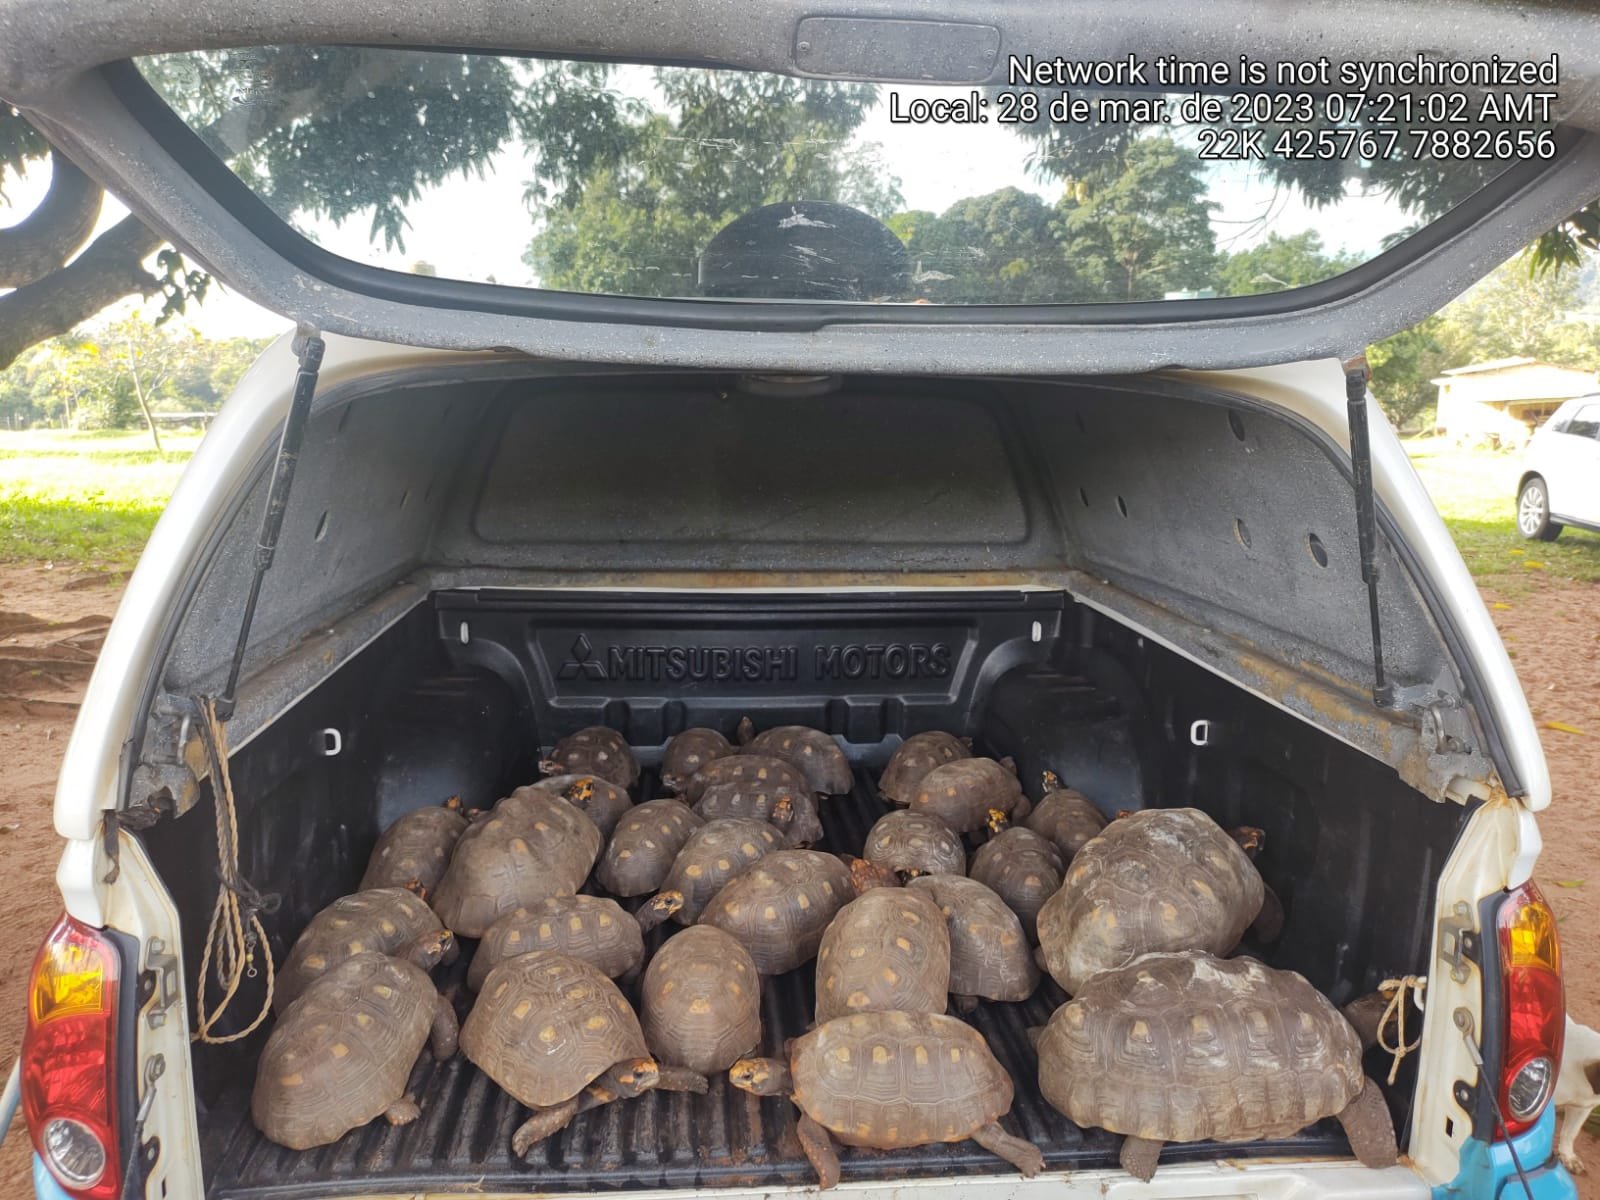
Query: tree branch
111, 268
50, 234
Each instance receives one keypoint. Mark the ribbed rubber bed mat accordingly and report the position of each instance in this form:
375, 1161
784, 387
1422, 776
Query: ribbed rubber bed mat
725, 1138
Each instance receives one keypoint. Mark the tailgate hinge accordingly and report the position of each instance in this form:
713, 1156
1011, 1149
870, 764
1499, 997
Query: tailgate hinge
1458, 942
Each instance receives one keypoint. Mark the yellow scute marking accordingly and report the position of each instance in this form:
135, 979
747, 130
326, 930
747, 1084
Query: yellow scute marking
881, 1055
700, 1006
842, 1054
921, 1055
547, 1034
294, 1080
903, 943
523, 1008
340, 1049
595, 1022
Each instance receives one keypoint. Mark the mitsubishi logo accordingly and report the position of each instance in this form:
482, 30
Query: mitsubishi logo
582, 662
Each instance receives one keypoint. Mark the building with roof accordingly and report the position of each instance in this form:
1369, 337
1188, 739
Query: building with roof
1502, 401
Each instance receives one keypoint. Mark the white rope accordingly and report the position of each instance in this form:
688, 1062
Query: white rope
1416, 985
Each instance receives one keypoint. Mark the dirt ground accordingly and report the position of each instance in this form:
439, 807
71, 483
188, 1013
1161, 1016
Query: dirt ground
52, 624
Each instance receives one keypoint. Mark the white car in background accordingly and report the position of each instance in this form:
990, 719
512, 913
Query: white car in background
1560, 482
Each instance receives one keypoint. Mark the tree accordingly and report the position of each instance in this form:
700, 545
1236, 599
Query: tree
1280, 262
1403, 367
1517, 310
993, 249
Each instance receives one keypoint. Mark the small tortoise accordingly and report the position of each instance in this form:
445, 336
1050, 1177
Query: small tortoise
602, 801
826, 768
1066, 816
1023, 869
785, 802
914, 758
341, 1054
1187, 1047
688, 752
557, 1034
744, 768
700, 1003
1157, 879
642, 850
595, 750
385, 920
887, 951
593, 929
891, 1080
970, 793
531, 846
415, 850
714, 854
913, 843
990, 958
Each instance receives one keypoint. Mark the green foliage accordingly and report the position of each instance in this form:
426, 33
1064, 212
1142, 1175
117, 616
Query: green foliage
994, 249
1403, 366
1281, 262
20, 143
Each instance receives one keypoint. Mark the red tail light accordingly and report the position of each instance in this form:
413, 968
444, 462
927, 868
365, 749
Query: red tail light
1535, 1006
69, 1060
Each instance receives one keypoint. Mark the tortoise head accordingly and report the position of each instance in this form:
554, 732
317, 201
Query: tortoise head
1251, 839
674, 782
759, 1076
660, 906
635, 1077
453, 804
997, 821
866, 875
746, 731
429, 950
416, 888
580, 791
782, 814
1051, 782
551, 766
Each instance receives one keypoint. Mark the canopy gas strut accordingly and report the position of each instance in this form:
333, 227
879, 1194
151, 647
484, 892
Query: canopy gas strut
1355, 390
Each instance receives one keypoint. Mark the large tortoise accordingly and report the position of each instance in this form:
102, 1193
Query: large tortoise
913, 843
743, 768
415, 850
1023, 868
914, 758
594, 750
990, 957
970, 793
887, 950
891, 1080
779, 795
688, 752
1066, 816
598, 931
700, 1003
1189, 1047
557, 1034
1157, 879
341, 1054
385, 920
640, 854
714, 854
826, 768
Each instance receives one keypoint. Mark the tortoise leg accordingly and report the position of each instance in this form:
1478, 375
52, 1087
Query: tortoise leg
824, 1159
1023, 1155
541, 1125
1370, 1128
681, 1079
1268, 925
1138, 1157
402, 1112
446, 1031
1366, 1016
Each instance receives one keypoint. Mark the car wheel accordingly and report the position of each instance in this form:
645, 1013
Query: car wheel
1533, 512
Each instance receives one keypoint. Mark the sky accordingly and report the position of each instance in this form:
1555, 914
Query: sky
936, 165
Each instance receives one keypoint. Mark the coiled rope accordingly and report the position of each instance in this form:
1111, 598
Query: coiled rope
236, 932
1415, 985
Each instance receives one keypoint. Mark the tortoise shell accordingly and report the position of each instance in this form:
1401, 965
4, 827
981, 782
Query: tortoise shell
1187, 1047
894, 1079
888, 950
689, 752
1023, 869
642, 849
1156, 880
714, 854
595, 750
1068, 818
914, 758
763, 800
964, 793
590, 928
416, 848
989, 952
779, 908
533, 845
818, 756
545, 1025
383, 920
914, 843
342, 1053
759, 769
597, 798
700, 1004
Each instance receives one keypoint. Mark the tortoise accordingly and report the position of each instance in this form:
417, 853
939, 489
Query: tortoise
1024, 870
1157, 879
533, 845
341, 1054
826, 768
598, 931
688, 752
557, 1034
1066, 816
415, 849
914, 758
970, 793
594, 750
700, 1004
714, 854
602, 801
788, 804
642, 850
990, 958
744, 768
913, 843
1188, 1047
779, 908
383, 920
887, 951
891, 1080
